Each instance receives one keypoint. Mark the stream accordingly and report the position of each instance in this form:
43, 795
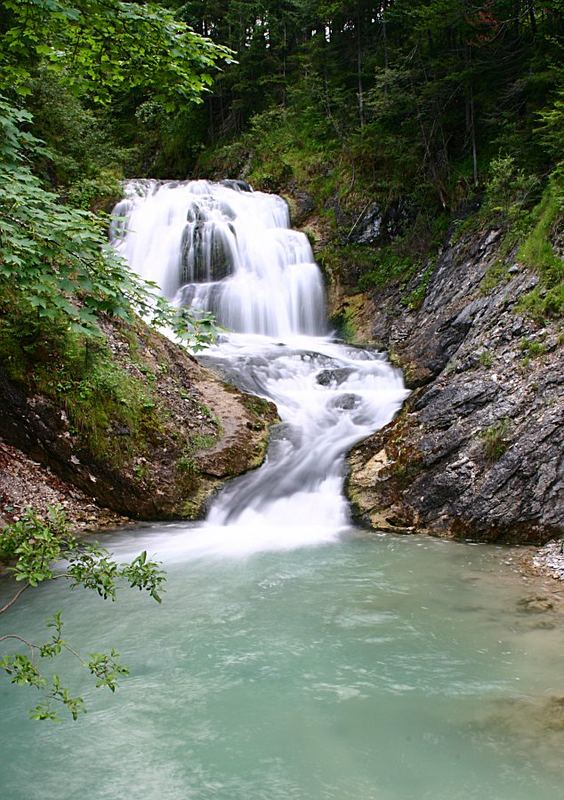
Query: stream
294, 656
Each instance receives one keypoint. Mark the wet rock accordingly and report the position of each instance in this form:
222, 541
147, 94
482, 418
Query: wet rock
476, 453
346, 402
237, 185
333, 376
319, 358
535, 605
369, 227
302, 205
397, 217
285, 432
376, 224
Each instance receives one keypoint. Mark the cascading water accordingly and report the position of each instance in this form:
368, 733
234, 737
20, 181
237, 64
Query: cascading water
223, 249
226, 249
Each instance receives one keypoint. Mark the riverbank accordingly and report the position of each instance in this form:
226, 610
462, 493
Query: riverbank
25, 484
549, 560
476, 451
144, 432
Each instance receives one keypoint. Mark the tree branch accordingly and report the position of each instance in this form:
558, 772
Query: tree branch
14, 600
7, 636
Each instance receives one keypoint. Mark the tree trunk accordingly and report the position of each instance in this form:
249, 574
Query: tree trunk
359, 70
532, 17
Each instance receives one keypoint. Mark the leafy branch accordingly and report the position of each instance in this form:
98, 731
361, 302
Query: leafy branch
56, 260
34, 548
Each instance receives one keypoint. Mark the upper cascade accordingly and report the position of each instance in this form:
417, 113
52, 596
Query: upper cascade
223, 248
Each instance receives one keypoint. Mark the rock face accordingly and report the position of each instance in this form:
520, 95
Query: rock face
478, 449
196, 433
25, 483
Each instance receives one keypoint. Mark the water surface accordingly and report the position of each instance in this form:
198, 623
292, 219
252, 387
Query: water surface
373, 668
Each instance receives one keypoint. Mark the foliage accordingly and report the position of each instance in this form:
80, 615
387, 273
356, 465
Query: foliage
537, 252
389, 267
436, 101
195, 329
55, 257
55, 260
34, 549
415, 298
486, 359
68, 58
495, 439
508, 188
421, 92
441, 103
100, 47
532, 348
496, 275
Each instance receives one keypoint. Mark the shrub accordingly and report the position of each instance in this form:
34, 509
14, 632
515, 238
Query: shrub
494, 439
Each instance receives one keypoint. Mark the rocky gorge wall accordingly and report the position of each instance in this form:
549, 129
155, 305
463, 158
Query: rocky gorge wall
193, 432
477, 450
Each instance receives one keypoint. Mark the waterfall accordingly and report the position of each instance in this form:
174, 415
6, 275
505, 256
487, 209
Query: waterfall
223, 248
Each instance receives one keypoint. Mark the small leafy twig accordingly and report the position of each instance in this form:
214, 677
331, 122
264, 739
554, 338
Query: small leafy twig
32, 545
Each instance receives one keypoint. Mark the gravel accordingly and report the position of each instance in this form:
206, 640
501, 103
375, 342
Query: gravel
549, 560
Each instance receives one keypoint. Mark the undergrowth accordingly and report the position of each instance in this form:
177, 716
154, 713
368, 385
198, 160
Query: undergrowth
537, 252
100, 398
495, 440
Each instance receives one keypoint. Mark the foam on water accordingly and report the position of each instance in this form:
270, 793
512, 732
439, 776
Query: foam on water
260, 280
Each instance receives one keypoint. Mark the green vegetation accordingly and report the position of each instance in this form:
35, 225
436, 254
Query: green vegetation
494, 439
442, 106
346, 326
187, 465
81, 85
388, 268
497, 274
430, 106
537, 252
64, 67
204, 441
30, 547
531, 348
106, 399
486, 359
415, 298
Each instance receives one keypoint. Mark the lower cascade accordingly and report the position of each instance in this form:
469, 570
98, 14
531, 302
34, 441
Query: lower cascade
223, 248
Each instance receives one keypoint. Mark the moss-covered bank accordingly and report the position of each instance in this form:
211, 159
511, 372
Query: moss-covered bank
131, 419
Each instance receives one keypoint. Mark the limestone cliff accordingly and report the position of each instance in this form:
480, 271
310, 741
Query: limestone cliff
477, 451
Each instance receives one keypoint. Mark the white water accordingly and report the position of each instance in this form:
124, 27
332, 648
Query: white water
329, 395
226, 251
